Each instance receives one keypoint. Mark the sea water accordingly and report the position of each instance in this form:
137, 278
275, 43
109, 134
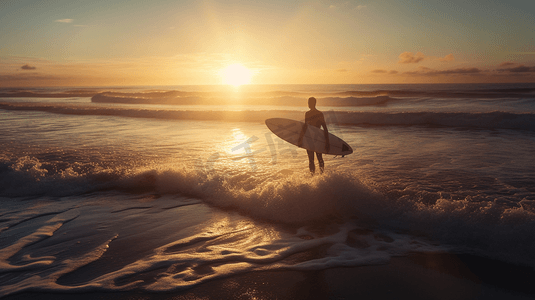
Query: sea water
163, 188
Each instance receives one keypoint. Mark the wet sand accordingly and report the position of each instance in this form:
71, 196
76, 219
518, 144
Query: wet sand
416, 276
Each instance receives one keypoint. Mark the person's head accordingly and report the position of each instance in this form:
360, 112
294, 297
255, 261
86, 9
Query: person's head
312, 102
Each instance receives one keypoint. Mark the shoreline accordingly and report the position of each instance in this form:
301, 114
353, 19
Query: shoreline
418, 276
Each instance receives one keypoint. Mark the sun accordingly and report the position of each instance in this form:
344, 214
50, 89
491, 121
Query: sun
236, 75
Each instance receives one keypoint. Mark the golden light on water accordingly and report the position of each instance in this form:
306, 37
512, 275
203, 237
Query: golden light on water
236, 75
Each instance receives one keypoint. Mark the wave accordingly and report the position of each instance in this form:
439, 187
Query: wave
16, 93
492, 228
276, 199
483, 120
182, 98
277, 94
460, 94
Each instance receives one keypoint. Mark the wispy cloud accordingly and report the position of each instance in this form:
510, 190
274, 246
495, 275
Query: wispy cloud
380, 71
423, 71
411, 58
507, 64
518, 69
447, 58
28, 67
346, 5
64, 21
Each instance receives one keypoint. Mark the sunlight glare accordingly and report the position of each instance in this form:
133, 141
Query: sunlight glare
236, 75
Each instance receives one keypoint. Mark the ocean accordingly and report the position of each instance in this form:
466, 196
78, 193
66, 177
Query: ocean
162, 189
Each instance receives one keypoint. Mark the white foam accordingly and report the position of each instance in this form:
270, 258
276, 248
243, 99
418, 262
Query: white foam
42, 233
48, 282
492, 229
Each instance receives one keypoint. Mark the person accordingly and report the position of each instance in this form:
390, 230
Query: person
314, 118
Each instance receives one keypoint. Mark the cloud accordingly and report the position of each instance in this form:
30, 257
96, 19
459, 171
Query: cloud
507, 64
64, 21
410, 58
518, 69
28, 77
28, 67
341, 70
346, 5
423, 71
380, 71
447, 58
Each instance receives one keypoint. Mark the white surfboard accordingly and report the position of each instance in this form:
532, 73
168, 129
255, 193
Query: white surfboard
314, 138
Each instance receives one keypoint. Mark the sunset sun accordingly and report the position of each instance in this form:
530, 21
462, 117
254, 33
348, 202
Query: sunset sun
236, 74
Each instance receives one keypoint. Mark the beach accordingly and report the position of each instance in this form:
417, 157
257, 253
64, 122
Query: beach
183, 192
421, 276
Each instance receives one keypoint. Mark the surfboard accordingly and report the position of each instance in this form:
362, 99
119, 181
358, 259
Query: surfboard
314, 138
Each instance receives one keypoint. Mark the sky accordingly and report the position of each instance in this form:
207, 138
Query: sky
182, 42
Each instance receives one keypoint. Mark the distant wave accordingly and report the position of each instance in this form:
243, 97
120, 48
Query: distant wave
493, 93
486, 120
276, 99
42, 94
139, 95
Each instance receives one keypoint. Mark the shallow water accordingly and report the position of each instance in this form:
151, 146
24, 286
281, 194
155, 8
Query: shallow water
101, 197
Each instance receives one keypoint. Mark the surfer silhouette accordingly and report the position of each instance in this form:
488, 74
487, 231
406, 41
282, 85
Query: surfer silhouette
314, 118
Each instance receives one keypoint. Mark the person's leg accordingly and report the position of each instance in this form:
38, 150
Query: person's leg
311, 161
320, 160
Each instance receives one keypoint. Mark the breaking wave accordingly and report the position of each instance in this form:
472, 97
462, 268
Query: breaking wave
280, 93
489, 227
181, 98
484, 120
